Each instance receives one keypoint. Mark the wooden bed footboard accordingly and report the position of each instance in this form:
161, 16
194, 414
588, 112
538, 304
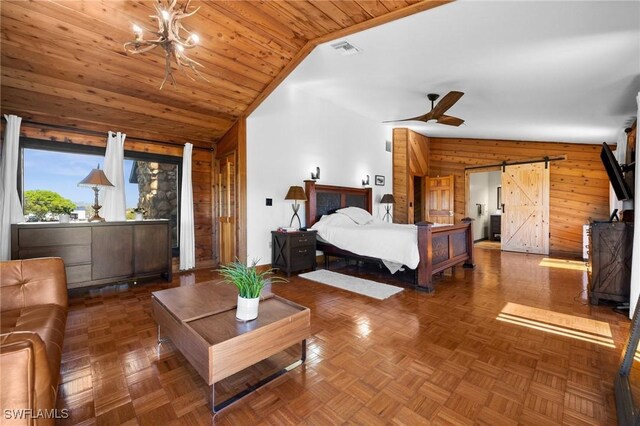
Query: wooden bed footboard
443, 247
440, 247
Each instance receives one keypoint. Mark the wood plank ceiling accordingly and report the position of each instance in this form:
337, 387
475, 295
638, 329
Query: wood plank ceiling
63, 62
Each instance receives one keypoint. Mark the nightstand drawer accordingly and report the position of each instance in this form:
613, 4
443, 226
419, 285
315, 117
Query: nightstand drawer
302, 240
306, 251
306, 262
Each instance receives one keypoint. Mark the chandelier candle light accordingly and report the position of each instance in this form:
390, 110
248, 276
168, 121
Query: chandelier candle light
174, 38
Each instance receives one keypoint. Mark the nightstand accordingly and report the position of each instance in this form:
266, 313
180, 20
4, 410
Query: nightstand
293, 251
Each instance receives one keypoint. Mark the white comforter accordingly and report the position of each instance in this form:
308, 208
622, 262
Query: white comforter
394, 244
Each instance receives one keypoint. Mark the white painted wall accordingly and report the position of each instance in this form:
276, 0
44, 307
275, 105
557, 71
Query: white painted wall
479, 194
495, 180
290, 134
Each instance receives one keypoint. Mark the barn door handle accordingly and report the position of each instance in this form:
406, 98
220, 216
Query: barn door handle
502, 207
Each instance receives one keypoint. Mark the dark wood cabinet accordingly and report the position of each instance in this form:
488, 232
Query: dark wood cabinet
293, 251
111, 252
100, 252
150, 246
495, 224
610, 251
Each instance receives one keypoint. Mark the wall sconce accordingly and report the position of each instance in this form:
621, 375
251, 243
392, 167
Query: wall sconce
365, 181
316, 175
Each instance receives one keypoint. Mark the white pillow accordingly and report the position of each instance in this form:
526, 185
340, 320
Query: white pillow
333, 220
358, 215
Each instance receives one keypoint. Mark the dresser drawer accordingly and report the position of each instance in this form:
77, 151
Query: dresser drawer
76, 275
70, 254
42, 237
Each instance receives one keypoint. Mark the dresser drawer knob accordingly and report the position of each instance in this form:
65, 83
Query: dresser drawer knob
302, 241
302, 251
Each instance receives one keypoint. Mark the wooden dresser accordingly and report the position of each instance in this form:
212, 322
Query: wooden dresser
99, 252
610, 252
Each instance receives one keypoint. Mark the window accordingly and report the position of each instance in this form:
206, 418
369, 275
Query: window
152, 182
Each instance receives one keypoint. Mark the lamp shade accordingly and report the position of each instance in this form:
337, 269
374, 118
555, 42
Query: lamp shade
296, 193
95, 178
387, 199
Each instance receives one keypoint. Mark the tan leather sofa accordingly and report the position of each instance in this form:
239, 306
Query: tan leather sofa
33, 315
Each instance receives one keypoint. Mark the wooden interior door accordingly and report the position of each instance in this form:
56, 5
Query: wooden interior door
226, 208
525, 220
440, 199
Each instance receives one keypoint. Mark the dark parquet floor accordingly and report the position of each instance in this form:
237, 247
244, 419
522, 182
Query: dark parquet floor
415, 358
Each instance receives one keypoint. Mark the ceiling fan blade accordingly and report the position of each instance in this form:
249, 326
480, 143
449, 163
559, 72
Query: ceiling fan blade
449, 120
418, 118
445, 103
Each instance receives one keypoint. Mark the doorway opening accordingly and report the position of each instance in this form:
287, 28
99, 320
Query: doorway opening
418, 199
484, 205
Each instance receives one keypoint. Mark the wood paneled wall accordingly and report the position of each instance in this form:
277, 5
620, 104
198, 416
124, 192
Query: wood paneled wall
410, 158
202, 168
579, 185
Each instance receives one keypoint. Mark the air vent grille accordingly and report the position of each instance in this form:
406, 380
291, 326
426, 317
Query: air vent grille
345, 48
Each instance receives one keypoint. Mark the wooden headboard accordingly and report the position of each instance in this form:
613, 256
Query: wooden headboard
325, 199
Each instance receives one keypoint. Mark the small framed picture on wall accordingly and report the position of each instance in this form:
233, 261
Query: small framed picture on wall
379, 180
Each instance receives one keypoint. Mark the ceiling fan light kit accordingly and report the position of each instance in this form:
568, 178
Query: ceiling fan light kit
171, 35
437, 111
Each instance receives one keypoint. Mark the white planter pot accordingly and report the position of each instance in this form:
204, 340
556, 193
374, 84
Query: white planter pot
63, 218
139, 216
247, 309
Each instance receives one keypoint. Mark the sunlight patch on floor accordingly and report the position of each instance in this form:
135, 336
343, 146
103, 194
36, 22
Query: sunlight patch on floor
584, 329
576, 265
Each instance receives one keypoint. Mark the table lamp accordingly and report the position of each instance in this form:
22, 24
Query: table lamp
388, 200
295, 193
95, 180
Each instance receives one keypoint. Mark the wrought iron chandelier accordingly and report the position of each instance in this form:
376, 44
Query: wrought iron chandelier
171, 35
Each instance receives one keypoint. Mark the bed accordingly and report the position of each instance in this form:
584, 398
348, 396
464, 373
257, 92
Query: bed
439, 247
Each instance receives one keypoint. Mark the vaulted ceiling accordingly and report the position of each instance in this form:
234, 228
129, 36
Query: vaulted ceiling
63, 61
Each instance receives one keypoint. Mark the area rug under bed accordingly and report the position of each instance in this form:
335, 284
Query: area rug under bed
368, 288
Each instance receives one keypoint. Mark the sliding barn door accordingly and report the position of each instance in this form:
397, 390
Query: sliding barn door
440, 199
525, 220
226, 208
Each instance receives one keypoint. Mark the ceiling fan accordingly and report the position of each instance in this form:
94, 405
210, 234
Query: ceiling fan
437, 111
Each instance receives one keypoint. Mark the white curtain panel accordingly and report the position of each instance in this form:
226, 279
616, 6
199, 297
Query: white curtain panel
187, 225
11, 210
635, 262
620, 154
114, 204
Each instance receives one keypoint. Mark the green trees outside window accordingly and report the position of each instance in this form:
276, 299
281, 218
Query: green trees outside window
40, 202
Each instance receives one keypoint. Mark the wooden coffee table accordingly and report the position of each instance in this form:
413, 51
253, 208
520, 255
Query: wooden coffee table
201, 322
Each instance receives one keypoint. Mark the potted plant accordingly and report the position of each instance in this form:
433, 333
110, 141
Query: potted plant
249, 283
139, 212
